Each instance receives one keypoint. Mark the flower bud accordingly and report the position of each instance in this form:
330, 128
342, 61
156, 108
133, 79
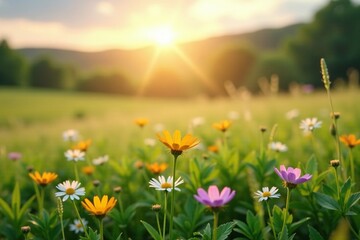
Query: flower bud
118, 189
335, 163
25, 229
156, 207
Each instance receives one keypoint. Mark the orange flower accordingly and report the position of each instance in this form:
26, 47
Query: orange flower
44, 179
222, 126
99, 208
141, 122
177, 144
157, 168
82, 146
350, 140
88, 170
213, 148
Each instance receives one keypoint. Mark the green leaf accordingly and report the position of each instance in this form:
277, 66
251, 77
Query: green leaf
284, 235
92, 235
224, 230
6, 209
311, 166
207, 232
151, 230
298, 224
314, 234
243, 229
26, 207
277, 218
326, 201
345, 192
119, 237
353, 199
16, 200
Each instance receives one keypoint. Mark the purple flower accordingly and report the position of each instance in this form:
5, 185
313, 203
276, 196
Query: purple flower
291, 176
213, 198
14, 156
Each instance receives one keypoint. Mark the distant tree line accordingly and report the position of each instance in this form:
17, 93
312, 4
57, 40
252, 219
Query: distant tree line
334, 34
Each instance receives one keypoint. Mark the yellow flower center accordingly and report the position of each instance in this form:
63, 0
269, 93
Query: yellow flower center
166, 185
266, 194
79, 226
70, 191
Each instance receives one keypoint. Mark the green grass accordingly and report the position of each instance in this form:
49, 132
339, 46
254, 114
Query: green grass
32, 122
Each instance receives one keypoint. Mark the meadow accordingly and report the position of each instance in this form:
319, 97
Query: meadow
238, 156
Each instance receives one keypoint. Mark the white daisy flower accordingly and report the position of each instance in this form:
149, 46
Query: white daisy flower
292, 114
309, 124
149, 142
70, 135
77, 227
234, 115
278, 147
265, 193
70, 190
75, 155
197, 121
100, 160
165, 184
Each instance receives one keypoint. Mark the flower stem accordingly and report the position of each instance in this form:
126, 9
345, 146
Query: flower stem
78, 215
286, 211
158, 224
76, 172
165, 211
39, 198
337, 183
352, 169
172, 198
101, 227
270, 219
215, 225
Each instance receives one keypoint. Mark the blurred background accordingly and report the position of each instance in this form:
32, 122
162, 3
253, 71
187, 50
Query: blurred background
179, 49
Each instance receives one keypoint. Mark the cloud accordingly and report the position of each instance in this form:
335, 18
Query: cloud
25, 33
105, 8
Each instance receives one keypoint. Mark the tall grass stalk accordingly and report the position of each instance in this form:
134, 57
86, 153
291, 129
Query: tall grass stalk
326, 80
80, 219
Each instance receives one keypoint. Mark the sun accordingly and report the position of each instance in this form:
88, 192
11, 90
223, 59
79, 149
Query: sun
162, 35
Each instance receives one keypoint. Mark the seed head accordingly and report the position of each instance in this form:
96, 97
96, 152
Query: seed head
325, 74
156, 207
335, 163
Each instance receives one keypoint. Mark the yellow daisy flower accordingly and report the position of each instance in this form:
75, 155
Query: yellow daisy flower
157, 168
99, 208
177, 144
222, 126
82, 145
141, 122
43, 179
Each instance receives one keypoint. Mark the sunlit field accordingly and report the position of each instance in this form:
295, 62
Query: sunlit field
241, 156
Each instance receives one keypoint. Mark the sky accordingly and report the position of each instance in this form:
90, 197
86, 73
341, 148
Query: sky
94, 25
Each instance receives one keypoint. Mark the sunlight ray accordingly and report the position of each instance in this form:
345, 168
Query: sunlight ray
148, 72
199, 73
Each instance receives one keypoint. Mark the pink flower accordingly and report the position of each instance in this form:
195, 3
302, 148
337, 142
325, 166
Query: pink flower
291, 176
14, 156
213, 198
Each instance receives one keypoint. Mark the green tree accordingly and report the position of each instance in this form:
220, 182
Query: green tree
45, 73
115, 83
271, 64
12, 66
334, 34
233, 64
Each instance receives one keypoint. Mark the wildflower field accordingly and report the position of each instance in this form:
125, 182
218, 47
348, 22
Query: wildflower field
90, 166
